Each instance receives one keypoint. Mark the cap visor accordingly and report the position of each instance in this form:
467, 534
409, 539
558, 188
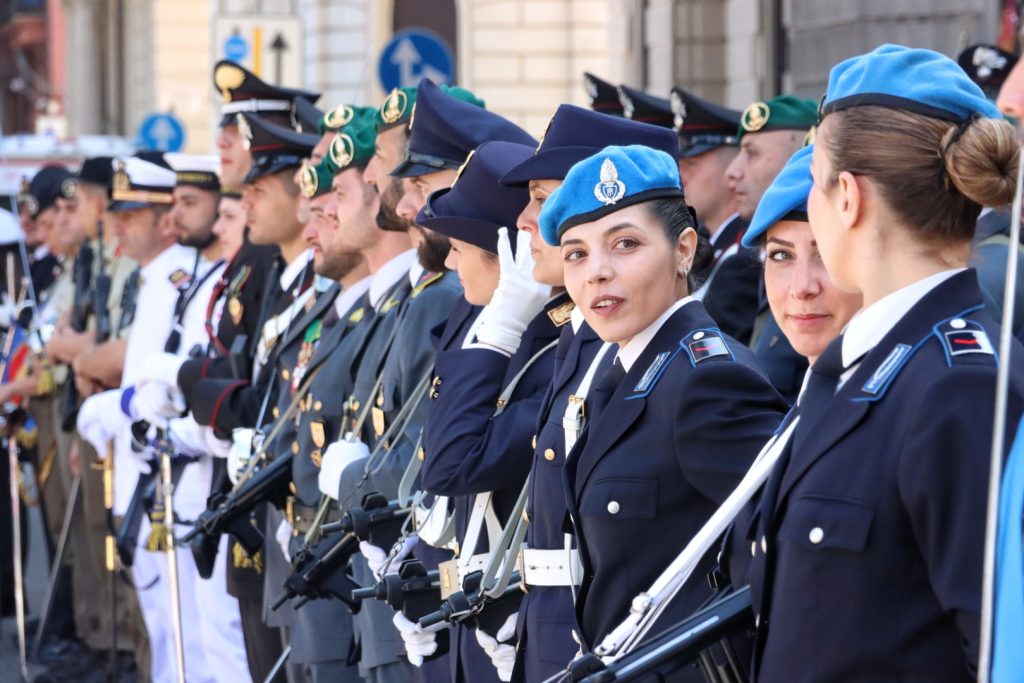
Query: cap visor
689, 151
119, 206
551, 164
409, 169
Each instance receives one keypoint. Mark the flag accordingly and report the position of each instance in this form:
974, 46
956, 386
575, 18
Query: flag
15, 357
1007, 654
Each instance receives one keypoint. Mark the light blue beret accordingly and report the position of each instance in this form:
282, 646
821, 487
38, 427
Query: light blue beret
612, 179
898, 77
785, 198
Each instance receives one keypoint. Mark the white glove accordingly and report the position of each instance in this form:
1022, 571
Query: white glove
163, 367
218, 448
8, 311
419, 642
339, 455
284, 537
157, 402
240, 452
377, 557
502, 653
518, 298
187, 436
100, 419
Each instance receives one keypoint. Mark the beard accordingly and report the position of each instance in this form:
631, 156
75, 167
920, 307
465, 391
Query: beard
337, 266
198, 241
433, 251
387, 215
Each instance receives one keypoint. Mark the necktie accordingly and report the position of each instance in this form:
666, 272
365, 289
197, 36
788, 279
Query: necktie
602, 392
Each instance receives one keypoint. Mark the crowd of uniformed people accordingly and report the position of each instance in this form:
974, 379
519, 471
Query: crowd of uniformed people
402, 393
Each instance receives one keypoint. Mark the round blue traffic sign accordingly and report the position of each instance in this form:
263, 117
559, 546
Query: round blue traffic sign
414, 54
236, 47
163, 132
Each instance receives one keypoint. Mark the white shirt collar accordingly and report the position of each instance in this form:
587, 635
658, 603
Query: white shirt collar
292, 270
349, 295
715, 235
389, 275
40, 252
632, 350
415, 271
576, 319
869, 325
167, 261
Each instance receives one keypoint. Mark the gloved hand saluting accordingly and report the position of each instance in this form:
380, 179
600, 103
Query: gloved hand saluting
517, 300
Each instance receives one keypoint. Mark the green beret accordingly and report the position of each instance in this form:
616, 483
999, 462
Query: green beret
337, 118
399, 104
784, 112
314, 180
353, 145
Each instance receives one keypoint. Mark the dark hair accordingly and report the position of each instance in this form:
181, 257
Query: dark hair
933, 174
675, 217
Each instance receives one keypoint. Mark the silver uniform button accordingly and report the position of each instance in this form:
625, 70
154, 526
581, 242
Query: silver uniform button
764, 544
613, 507
699, 335
957, 323
816, 535
753, 548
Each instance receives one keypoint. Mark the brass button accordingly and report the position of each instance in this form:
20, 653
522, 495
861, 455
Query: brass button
549, 455
355, 405
276, 412
295, 447
614, 507
316, 457
434, 394
380, 399
421, 454
291, 488
318, 406
285, 375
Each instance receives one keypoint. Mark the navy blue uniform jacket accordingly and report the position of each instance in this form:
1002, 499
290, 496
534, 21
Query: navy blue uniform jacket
874, 559
674, 440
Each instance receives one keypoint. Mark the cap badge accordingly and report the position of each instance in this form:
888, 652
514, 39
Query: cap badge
987, 60
67, 188
678, 110
394, 106
755, 117
591, 86
610, 190
121, 182
811, 135
339, 116
228, 77
308, 181
458, 174
244, 130
627, 104
342, 150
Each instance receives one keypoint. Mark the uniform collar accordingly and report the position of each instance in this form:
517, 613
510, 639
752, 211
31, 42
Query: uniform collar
721, 228
389, 275
415, 272
632, 350
349, 295
292, 270
576, 319
869, 325
167, 261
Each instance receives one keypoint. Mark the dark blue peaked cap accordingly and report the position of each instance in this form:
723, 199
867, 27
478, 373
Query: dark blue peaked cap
476, 204
444, 130
273, 148
575, 133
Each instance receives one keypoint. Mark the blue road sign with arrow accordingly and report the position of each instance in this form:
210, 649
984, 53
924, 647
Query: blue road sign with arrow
414, 54
236, 47
163, 132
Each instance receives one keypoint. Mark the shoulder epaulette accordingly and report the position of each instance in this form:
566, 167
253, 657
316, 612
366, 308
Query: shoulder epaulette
561, 314
701, 345
427, 279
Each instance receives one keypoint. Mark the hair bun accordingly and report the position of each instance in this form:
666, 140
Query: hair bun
980, 160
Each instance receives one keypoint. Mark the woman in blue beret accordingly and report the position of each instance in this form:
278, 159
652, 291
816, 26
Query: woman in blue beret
681, 409
868, 541
490, 373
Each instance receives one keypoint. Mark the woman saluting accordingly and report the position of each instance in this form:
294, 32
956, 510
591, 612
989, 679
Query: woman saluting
868, 540
680, 414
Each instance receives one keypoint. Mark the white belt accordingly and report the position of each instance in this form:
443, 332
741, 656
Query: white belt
453, 572
561, 567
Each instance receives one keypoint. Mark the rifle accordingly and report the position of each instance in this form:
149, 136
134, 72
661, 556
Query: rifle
678, 647
80, 308
413, 591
